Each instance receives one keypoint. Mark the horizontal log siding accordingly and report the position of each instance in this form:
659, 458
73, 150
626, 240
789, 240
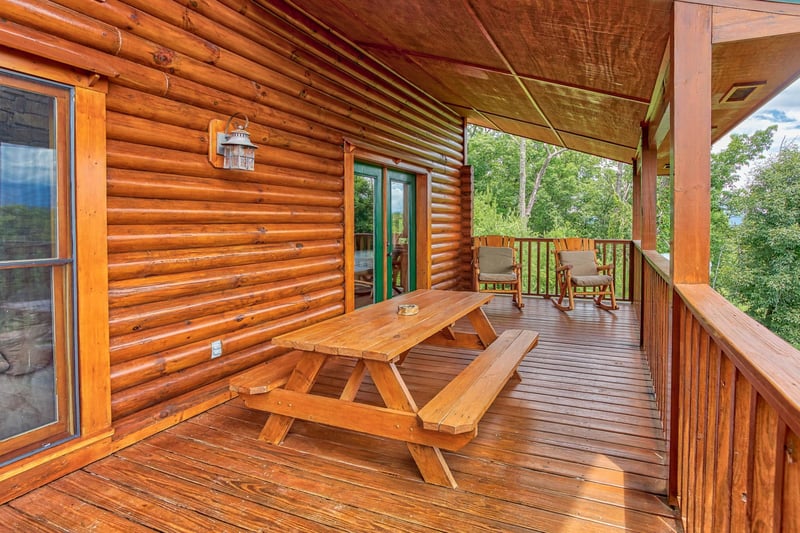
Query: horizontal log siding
196, 253
738, 455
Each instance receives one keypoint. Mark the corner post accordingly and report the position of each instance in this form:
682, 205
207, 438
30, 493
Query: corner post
690, 177
690, 154
647, 202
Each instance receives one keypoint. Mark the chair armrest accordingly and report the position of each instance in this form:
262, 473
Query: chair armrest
609, 268
563, 268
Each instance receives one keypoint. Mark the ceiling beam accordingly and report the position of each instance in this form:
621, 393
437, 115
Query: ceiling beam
489, 39
493, 70
740, 24
770, 6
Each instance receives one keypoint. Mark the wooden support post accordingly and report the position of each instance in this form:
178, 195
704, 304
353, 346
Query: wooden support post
482, 326
354, 382
467, 206
636, 215
690, 156
648, 178
690, 169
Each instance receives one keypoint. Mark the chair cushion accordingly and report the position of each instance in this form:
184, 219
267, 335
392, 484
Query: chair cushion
582, 262
495, 260
591, 281
498, 278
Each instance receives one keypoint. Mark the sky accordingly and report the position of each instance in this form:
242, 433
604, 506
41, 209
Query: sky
783, 110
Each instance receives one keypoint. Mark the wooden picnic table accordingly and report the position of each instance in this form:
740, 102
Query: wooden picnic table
379, 338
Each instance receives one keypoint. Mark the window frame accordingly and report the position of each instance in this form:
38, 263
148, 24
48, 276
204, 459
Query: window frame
90, 233
61, 264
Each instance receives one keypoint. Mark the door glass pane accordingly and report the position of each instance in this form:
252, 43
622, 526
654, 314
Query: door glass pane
364, 240
399, 237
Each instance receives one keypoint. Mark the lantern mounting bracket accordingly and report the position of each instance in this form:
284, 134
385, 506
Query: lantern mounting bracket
220, 137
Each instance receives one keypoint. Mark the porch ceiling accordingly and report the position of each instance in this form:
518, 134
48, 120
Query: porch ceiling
577, 74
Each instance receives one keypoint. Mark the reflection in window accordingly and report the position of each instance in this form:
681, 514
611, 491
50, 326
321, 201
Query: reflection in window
364, 190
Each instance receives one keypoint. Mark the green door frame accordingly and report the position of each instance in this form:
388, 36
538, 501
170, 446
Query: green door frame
378, 263
409, 180
382, 225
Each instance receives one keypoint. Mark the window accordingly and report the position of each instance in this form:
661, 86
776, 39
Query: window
37, 385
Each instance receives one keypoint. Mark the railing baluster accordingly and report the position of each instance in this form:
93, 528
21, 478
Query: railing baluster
536, 255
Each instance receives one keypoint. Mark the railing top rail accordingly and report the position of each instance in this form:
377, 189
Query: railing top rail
659, 263
771, 364
544, 239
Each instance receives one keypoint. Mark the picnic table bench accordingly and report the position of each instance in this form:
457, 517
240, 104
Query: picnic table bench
378, 338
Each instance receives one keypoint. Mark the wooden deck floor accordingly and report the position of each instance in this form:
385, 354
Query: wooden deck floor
574, 447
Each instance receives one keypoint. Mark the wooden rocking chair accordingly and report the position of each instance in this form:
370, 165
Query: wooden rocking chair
578, 273
495, 267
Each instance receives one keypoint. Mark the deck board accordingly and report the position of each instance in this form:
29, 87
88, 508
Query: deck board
575, 446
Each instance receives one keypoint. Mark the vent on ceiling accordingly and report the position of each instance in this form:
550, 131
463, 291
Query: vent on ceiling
740, 92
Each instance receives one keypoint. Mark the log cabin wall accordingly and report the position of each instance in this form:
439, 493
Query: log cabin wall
198, 254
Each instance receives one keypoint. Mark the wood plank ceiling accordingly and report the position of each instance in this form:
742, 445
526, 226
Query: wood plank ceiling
579, 74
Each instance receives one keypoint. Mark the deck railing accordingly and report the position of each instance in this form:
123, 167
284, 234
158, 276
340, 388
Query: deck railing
538, 265
729, 393
655, 299
738, 451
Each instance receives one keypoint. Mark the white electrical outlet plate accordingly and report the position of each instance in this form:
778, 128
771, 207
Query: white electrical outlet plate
216, 349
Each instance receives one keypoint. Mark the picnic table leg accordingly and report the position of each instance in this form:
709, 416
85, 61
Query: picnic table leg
402, 357
482, 326
395, 394
354, 382
302, 379
486, 331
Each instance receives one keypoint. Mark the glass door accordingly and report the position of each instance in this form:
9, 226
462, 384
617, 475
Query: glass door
400, 239
385, 242
368, 230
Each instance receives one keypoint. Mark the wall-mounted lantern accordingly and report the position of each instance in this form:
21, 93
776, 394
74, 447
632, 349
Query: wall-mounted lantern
231, 149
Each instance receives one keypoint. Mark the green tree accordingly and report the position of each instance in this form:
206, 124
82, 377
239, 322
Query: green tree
550, 191
528, 192
726, 165
765, 280
363, 187
494, 157
489, 219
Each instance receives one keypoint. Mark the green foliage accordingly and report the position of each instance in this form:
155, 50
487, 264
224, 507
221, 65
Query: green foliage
726, 165
764, 281
488, 219
364, 208
579, 194
494, 157
742, 150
